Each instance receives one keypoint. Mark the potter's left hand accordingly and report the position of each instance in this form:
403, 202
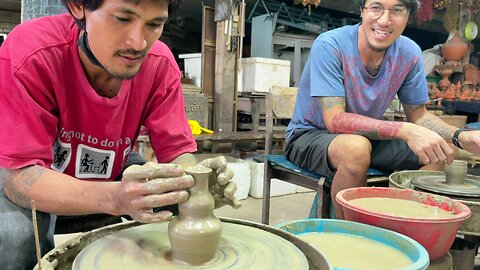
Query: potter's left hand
470, 141
220, 184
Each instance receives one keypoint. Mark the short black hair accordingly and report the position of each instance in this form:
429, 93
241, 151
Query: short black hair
412, 5
92, 5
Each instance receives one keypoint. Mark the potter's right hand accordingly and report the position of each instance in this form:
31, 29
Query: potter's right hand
427, 144
149, 186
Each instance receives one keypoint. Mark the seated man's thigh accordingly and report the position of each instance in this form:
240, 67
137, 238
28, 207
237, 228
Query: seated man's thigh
309, 149
17, 241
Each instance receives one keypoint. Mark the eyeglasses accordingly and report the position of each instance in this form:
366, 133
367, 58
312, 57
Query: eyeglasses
376, 11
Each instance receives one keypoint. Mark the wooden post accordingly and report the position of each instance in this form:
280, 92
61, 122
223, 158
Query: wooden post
224, 80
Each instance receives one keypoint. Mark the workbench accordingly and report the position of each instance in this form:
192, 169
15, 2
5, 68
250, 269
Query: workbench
469, 108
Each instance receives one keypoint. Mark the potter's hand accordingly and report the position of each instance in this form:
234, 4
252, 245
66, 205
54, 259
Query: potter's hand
149, 186
221, 186
427, 144
470, 141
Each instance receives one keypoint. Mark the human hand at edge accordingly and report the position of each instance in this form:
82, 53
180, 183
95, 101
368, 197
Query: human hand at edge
470, 141
220, 184
427, 145
149, 186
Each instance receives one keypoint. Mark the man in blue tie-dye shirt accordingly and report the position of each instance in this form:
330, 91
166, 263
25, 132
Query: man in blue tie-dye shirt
350, 79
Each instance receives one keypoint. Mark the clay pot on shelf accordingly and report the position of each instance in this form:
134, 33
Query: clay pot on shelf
458, 90
435, 92
195, 234
444, 83
455, 48
471, 74
450, 92
467, 92
476, 95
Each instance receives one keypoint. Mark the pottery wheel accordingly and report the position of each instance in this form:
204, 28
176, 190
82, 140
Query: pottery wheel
438, 184
147, 247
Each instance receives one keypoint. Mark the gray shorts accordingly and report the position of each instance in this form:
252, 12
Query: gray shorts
307, 148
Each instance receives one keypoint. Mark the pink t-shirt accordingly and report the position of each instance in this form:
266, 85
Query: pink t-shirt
52, 117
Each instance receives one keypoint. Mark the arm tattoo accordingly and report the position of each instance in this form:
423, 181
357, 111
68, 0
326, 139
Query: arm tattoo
431, 122
436, 125
349, 123
330, 102
18, 183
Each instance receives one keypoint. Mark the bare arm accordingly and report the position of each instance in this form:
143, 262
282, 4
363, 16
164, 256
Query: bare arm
61, 194
419, 115
57, 193
424, 141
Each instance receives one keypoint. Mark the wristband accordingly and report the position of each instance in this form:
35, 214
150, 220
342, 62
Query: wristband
455, 136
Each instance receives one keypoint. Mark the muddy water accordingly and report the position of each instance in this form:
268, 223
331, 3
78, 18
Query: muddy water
401, 208
356, 252
147, 247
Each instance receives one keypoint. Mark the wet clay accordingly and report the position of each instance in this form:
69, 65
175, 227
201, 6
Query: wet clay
195, 233
147, 247
356, 252
456, 172
400, 208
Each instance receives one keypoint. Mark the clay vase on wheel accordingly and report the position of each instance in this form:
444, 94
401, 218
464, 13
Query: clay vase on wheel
456, 172
195, 233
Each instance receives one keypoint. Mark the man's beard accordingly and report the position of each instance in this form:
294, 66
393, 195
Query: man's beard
126, 75
121, 76
376, 49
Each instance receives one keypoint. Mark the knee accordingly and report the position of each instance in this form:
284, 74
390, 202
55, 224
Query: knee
354, 152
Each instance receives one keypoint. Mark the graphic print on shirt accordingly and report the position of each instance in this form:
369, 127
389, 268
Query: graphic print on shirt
62, 153
125, 155
93, 163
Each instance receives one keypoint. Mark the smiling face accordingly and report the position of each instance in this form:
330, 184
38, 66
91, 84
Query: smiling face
120, 33
377, 34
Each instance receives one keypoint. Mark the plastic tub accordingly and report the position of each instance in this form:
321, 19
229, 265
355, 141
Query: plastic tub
406, 245
435, 234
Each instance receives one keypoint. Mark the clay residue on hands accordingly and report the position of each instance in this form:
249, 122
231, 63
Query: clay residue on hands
217, 163
161, 185
221, 187
152, 170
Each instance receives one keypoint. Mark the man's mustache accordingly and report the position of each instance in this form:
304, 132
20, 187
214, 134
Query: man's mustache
133, 53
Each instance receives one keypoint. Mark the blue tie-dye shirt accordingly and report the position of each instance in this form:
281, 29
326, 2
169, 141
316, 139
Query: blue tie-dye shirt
334, 68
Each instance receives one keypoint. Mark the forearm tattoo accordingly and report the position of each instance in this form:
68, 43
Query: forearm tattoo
431, 122
349, 123
18, 183
437, 125
330, 102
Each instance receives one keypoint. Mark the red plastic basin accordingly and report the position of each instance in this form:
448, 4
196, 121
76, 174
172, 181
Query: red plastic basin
435, 234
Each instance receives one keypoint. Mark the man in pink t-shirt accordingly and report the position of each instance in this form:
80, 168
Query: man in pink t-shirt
75, 90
